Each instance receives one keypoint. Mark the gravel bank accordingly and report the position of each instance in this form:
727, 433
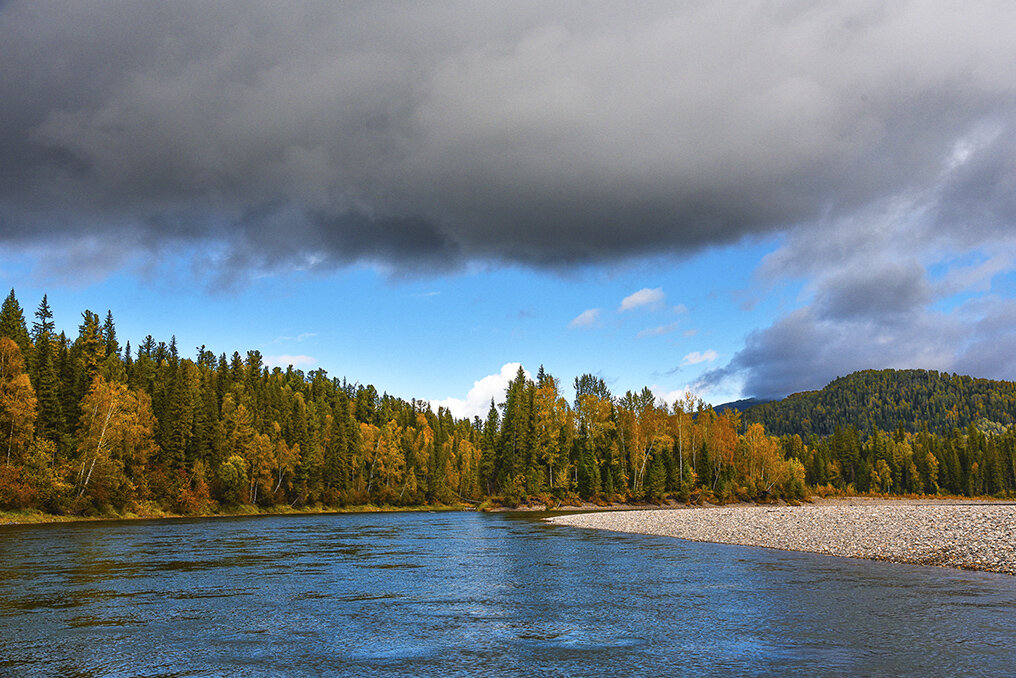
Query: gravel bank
971, 535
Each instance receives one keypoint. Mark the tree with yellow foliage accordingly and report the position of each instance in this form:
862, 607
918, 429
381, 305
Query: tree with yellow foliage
17, 403
115, 440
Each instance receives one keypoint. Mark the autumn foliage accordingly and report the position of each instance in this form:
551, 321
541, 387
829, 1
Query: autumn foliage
88, 427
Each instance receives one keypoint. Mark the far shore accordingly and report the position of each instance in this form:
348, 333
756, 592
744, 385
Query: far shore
976, 534
731, 523
8, 518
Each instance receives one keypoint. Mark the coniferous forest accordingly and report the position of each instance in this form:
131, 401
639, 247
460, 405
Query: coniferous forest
93, 427
912, 400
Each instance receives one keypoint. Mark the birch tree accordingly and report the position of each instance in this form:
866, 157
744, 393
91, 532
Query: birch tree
17, 403
115, 440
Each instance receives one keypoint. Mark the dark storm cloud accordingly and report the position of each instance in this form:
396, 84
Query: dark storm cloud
978, 199
870, 329
885, 291
991, 350
420, 136
801, 352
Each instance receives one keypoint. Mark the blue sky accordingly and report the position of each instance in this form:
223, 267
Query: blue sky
740, 201
432, 337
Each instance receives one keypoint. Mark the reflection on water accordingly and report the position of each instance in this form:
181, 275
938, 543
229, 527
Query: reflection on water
471, 594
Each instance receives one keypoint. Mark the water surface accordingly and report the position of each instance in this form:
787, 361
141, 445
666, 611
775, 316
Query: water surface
444, 594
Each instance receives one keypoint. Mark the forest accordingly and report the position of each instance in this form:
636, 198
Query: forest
911, 400
90, 427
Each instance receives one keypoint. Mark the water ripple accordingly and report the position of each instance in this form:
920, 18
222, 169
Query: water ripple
471, 594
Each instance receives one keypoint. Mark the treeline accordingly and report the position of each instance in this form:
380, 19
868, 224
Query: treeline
887, 400
90, 427
93, 427
966, 462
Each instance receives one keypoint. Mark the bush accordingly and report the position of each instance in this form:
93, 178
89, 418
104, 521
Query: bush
15, 492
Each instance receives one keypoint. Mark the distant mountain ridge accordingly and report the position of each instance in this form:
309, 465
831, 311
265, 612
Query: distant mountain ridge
740, 405
889, 400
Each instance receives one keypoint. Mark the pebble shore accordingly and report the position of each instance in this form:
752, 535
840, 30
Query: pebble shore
970, 535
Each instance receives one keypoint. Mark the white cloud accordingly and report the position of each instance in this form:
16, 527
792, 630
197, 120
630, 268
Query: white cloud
696, 357
644, 297
585, 319
477, 401
657, 331
666, 396
287, 360
710, 394
300, 337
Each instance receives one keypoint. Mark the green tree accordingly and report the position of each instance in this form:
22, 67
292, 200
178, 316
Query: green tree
109, 334
51, 424
12, 326
87, 355
515, 444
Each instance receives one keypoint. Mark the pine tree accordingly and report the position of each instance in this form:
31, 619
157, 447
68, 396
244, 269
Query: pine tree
177, 426
43, 323
109, 333
89, 351
66, 374
514, 448
12, 326
656, 478
50, 424
488, 449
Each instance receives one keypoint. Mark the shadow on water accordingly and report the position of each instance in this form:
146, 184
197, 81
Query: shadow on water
473, 594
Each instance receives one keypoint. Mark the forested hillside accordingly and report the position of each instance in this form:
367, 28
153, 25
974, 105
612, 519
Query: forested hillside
92, 427
911, 400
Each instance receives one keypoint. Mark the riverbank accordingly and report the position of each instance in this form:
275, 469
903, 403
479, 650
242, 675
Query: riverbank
33, 517
977, 535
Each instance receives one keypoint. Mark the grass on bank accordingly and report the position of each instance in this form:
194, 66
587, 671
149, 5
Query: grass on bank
34, 516
151, 511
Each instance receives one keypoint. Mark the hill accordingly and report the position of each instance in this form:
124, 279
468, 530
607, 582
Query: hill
740, 405
889, 400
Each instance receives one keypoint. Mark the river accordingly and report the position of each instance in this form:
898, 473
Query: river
449, 594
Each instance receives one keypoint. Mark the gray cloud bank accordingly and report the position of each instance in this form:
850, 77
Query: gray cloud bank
420, 136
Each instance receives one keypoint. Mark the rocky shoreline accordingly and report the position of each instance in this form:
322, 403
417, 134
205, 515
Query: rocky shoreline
977, 535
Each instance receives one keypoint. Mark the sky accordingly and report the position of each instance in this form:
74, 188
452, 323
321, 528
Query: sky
737, 199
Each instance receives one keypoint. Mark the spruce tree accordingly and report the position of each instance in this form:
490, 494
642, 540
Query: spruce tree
12, 326
89, 351
69, 398
515, 443
109, 333
43, 324
50, 424
177, 424
488, 449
